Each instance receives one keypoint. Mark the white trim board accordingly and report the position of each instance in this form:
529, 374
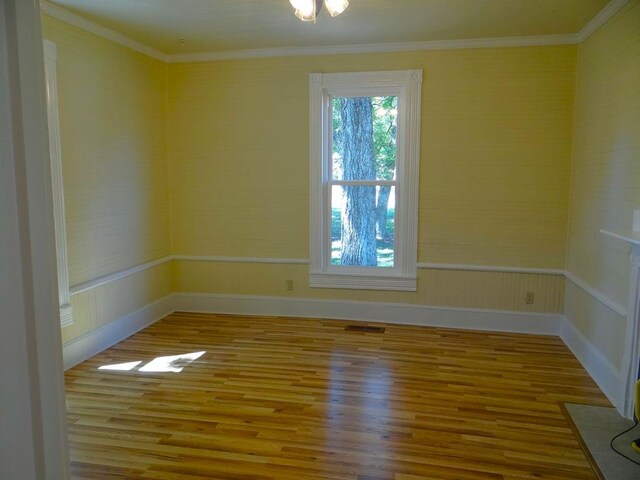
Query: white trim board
33, 426
112, 277
490, 268
609, 10
598, 295
57, 184
86, 346
601, 18
606, 376
283, 261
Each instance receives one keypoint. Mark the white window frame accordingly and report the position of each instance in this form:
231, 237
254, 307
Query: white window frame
323, 87
64, 295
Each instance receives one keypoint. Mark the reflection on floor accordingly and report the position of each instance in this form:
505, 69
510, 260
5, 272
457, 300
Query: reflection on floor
272, 398
597, 426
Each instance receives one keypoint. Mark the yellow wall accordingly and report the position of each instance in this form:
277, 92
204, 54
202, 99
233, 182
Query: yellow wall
495, 164
606, 173
112, 120
212, 159
495, 159
112, 107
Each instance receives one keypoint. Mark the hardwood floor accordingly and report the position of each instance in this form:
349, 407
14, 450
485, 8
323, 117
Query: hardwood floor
275, 398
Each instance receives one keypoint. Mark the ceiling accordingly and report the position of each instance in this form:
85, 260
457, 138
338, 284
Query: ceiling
229, 25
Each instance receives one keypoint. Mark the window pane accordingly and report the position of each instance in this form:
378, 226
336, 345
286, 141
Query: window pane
364, 133
363, 225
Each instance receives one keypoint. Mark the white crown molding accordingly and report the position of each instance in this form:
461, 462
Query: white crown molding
76, 20
598, 295
498, 42
613, 7
490, 268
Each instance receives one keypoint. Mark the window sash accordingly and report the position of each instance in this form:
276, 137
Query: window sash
329, 182
331, 268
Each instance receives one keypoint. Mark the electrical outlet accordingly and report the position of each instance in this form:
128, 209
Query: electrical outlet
530, 298
288, 285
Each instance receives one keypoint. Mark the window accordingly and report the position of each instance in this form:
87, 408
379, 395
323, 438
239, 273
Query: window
365, 148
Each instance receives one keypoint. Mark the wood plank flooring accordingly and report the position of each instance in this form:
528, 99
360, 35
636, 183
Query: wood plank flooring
275, 398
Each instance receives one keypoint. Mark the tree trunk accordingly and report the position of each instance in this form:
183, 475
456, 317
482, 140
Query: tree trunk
358, 215
382, 204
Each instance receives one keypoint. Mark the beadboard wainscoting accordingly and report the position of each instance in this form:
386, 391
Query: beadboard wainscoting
93, 342
491, 289
115, 298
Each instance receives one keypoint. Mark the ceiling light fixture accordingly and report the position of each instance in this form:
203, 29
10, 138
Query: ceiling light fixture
308, 10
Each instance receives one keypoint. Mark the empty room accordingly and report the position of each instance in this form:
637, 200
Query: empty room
320, 239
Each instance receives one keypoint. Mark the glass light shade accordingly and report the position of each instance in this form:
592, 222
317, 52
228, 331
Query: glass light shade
305, 9
336, 7
306, 16
301, 4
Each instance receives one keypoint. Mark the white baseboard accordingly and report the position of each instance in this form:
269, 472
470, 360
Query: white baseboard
594, 362
405, 314
86, 346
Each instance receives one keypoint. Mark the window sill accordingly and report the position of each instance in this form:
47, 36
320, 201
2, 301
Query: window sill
362, 282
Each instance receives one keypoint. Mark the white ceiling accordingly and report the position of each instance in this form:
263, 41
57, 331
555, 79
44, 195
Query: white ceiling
228, 25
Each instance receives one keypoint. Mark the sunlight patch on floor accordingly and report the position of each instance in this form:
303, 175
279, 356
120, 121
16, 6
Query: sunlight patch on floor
123, 367
171, 363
